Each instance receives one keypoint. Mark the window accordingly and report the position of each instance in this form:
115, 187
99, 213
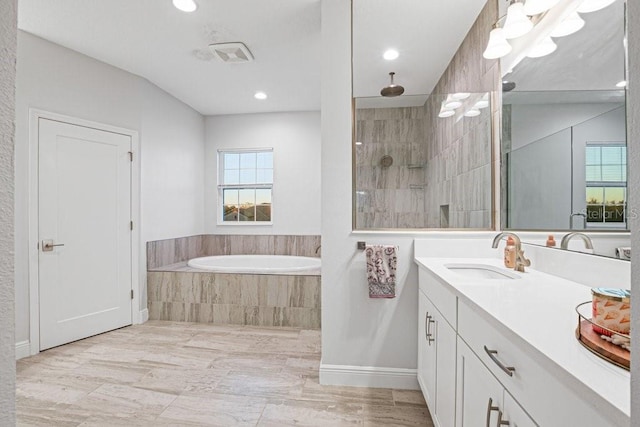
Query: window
245, 185
606, 179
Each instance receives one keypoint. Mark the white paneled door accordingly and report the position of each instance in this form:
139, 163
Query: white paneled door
84, 209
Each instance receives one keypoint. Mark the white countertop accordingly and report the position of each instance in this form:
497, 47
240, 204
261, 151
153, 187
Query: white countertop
539, 308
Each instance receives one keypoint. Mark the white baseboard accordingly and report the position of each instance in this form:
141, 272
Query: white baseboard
23, 349
144, 315
369, 376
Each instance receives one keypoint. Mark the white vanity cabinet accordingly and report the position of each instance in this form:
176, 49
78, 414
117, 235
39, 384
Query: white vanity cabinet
483, 401
476, 370
437, 362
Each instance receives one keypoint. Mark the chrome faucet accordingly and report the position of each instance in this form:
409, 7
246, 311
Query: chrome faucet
564, 243
584, 220
521, 260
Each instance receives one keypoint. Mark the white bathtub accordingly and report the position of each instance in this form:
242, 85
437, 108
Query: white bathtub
257, 264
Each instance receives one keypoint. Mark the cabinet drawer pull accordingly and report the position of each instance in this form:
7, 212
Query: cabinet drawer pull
501, 422
490, 409
492, 354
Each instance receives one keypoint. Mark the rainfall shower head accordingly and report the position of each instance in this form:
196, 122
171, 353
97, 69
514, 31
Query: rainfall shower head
393, 89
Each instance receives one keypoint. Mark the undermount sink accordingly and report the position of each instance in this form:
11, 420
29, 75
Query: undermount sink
481, 271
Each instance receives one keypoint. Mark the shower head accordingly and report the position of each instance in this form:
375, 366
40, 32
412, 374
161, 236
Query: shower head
393, 89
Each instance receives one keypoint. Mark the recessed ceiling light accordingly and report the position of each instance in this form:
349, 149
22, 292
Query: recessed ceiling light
391, 54
185, 5
545, 47
623, 83
260, 95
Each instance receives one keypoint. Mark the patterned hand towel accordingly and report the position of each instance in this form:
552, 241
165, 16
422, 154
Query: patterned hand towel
381, 270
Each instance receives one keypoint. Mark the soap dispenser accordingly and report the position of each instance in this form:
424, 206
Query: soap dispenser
551, 242
510, 253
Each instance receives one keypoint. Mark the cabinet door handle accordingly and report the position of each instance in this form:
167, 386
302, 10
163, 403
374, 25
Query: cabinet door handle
427, 335
428, 320
501, 422
492, 354
490, 409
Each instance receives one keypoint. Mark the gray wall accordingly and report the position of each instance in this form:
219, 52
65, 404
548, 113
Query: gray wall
542, 190
8, 43
540, 184
59, 80
633, 126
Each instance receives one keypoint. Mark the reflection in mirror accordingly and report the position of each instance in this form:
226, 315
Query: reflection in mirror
406, 178
564, 133
567, 166
422, 161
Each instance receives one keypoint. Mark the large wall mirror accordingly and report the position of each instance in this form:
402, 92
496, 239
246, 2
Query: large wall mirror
564, 155
422, 142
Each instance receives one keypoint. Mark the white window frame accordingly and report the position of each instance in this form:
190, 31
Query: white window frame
610, 184
221, 187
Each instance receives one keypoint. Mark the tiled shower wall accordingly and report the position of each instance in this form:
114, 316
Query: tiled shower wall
171, 251
455, 155
459, 152
392, 196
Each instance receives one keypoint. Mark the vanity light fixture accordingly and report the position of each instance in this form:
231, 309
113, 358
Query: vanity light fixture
451, 103
544, 48
517, 23
446, 113
589, 6
391, 54
570, 25
498, 45
260, 95
473, 112
536, 7
483, 103
461, 95
185, 5
358, 142
621, 84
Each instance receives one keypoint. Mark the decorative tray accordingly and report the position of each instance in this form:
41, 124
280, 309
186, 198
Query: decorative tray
613, 348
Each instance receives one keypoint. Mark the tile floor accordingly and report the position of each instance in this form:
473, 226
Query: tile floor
191, 374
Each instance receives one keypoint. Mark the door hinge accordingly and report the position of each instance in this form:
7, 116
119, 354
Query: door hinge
130, 225
131, 293
131, 156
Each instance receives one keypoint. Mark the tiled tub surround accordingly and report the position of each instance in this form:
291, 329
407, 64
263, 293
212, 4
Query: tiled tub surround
237, 299
161, 253
177, 292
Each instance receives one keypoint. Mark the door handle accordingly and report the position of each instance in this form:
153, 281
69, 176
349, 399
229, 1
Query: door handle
48, 245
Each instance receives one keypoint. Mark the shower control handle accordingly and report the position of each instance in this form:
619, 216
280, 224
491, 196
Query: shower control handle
48, 245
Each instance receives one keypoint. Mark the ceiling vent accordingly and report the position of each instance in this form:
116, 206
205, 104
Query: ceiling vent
231, 52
